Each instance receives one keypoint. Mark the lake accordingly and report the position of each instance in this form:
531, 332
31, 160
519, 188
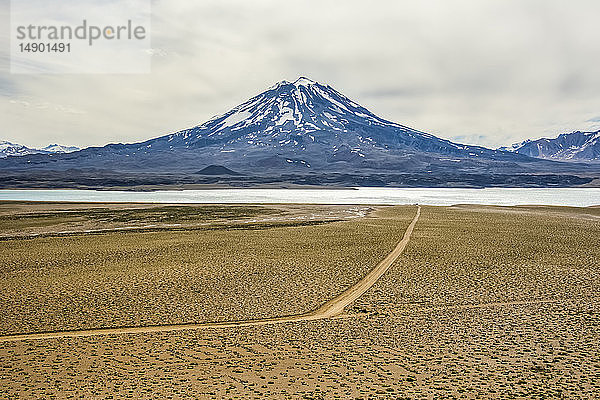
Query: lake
577, 197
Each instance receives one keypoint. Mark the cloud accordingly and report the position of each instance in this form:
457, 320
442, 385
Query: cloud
490, 73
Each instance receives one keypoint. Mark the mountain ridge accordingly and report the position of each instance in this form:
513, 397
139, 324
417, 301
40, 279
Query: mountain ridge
14, 149
574, 146
300, 131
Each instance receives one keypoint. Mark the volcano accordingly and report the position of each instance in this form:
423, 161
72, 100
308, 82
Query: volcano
304, 130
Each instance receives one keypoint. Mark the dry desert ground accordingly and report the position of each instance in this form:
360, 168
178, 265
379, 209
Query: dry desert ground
140, 301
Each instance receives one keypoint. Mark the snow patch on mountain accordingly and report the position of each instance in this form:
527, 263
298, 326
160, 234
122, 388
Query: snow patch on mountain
8, 149
58, 148
574, 146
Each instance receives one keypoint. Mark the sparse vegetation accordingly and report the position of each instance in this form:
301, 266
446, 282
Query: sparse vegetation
487, 302
266, 267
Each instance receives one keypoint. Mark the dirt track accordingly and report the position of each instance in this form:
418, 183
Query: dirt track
331, 309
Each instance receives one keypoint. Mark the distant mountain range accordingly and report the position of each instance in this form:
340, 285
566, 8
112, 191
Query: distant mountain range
575, 146
13, 149
299, 132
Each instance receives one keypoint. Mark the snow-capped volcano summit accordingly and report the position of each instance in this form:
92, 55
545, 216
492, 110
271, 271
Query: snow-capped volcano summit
294, 110
301, 108
304, 123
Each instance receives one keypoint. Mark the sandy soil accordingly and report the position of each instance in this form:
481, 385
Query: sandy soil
483, 303
331, 309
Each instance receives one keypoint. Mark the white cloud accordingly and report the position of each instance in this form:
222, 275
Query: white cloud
490, 73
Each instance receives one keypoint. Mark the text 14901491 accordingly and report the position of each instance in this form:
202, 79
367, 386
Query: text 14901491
42, 47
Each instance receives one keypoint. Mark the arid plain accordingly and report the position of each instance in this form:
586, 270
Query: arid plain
483, 302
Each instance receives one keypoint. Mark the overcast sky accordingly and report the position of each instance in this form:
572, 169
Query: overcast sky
488, 72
